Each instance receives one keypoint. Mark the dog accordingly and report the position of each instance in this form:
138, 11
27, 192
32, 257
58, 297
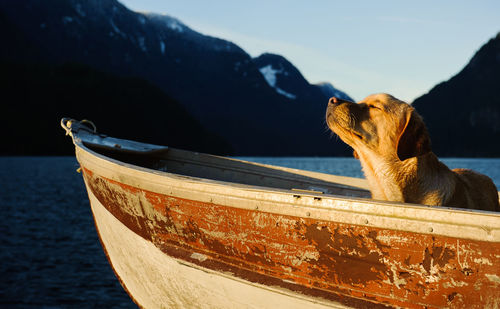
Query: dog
392, 143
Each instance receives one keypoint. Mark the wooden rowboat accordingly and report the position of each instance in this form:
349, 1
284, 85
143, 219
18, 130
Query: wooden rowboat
190, 230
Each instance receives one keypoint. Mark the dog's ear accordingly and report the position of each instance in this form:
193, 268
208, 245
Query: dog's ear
414, 139
355, 154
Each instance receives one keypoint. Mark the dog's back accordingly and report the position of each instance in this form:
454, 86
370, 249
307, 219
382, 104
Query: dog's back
474, 191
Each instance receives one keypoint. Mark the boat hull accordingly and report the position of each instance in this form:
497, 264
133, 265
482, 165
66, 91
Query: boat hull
158, 280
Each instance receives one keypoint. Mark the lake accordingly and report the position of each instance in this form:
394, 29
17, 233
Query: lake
51, 255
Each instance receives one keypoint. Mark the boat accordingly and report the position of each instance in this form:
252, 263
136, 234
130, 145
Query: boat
183, 229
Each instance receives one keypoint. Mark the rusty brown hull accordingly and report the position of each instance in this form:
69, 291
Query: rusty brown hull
303, 247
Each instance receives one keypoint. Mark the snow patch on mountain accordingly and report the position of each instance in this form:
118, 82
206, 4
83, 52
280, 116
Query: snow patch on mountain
270, 75
142, 43
175, 25
67, 20
115, 28
286, 94
170, 22
162, 47
79, 10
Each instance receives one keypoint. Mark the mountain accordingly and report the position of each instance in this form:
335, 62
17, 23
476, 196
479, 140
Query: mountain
214, 80
287, 80
463, 113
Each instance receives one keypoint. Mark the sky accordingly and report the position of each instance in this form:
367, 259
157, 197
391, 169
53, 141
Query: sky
362, 47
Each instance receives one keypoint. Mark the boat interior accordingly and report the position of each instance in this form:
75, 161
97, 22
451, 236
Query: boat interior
198, 165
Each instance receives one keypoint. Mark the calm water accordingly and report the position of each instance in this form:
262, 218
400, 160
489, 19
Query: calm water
50, 254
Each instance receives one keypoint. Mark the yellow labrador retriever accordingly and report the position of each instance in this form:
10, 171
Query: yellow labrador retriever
392, 143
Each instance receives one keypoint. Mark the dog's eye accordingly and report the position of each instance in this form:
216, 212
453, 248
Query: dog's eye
372, 106
368, 106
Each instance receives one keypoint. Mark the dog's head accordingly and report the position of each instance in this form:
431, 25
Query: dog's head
380, 124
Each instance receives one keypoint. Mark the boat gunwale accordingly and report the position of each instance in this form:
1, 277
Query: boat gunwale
407, 217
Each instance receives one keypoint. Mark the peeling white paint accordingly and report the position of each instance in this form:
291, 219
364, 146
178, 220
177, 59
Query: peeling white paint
493, 278
198, 256
397, 280
391, 239
259, 220
483, 260
453, 283
305, 256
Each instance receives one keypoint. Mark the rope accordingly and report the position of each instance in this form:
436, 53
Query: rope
66, 125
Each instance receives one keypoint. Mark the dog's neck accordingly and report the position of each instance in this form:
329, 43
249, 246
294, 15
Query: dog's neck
406, 181
379, 171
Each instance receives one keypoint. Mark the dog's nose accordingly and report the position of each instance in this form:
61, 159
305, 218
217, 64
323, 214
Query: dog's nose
334, 100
